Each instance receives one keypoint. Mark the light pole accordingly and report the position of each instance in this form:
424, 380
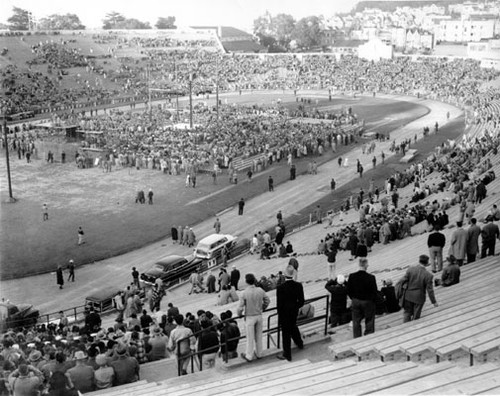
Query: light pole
192, 76
11, 197
217, 86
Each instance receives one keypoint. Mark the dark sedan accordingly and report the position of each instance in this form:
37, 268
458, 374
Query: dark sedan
172, 269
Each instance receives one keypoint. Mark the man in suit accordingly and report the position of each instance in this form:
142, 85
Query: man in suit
362, 289
418, 280
473, 233
458, 244
435, 243
489, 234
289, 299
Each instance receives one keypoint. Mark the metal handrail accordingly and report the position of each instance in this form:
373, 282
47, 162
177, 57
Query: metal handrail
267, 331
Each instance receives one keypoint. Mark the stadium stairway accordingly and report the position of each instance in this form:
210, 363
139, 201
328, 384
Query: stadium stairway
307, 378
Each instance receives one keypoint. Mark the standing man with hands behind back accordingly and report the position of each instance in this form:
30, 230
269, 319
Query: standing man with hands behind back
418, 281
289, 299
362, 289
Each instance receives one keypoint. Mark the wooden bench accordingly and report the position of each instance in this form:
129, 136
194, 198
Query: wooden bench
481, 383
366, 344
436, 380
263, 383
379, 384
332, 386
390, 345
250, 374
291, 385
481, 351
121, 389
473, 345
419, 341
449, 343
455, 343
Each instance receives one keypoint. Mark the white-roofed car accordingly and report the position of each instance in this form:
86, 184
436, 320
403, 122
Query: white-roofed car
211, 247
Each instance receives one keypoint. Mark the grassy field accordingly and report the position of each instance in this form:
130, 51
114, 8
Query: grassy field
104, 203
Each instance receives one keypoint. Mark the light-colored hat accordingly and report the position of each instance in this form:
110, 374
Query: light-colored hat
35, 356
340, 279
80, 355
101, 360
289, 271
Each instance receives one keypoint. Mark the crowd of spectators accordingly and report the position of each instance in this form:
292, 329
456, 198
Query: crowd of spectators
164, 62
61, 359
464, 172
151, 140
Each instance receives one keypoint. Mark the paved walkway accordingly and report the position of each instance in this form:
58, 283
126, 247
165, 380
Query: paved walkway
259, 214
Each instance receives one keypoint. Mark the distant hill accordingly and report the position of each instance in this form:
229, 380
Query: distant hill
388, 5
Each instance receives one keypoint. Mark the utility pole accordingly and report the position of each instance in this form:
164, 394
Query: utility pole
11, 197
148, 71
217, 86
191, 77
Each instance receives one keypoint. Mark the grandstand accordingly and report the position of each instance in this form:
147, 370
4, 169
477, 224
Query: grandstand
453, 348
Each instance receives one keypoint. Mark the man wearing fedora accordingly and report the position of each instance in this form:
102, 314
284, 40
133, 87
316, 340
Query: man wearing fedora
419, 281
289, 299
81, 375
126, 368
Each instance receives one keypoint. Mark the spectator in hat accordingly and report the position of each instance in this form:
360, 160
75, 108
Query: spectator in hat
489, 234
126, 368
389, 293
339, 314
289, 299
451, 273
362, 289
82, 375
158, 343
458, 244
104, 375
418, 281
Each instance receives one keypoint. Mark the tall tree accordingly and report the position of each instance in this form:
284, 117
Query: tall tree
112, 19
132, 23
276, 31
307, 32
166, 23
61, 22
283, 25
115, 20
20, 19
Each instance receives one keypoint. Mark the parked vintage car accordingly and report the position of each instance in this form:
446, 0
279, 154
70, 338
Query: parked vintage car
211, 247
171, 269
16, 316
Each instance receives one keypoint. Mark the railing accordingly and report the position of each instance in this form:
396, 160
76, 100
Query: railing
268, 331
76, 314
